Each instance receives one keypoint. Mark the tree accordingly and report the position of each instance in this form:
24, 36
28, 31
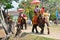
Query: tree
5, 3
8, 6
16, 0
50, 5
27, 7
31, 14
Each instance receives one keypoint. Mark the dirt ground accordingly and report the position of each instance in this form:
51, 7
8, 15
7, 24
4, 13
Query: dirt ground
54, 32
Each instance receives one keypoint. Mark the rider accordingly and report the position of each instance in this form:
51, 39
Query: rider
35, 23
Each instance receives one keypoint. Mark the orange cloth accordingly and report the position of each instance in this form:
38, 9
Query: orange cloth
35, 19
42, 11
19, 20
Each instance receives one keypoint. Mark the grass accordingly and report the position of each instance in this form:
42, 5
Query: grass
31, 37
53, 28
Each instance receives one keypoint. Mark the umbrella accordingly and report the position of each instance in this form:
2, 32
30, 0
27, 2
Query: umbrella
20, 10
35, 2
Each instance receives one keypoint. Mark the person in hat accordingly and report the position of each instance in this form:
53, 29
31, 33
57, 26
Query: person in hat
36, 10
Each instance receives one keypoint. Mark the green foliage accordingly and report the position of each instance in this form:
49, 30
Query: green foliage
26, 5
31, 13
8, 6
50, 5
5, 1
52, 16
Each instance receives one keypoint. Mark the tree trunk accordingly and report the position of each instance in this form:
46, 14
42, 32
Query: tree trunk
3, 22
7, 11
